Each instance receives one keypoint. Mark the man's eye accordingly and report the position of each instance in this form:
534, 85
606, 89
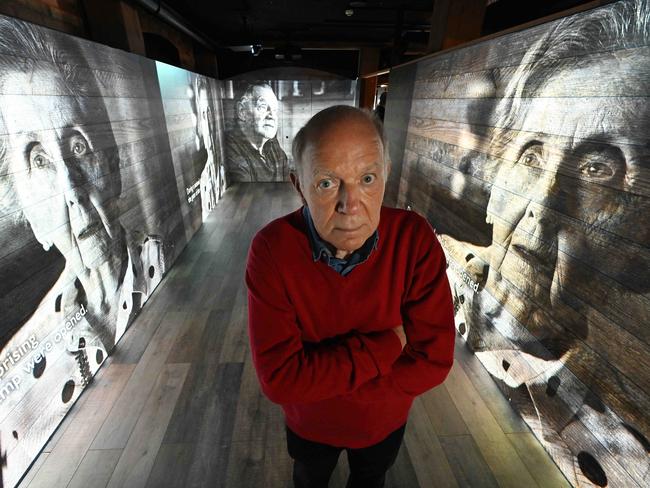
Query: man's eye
597, 170
325, 184
367, 179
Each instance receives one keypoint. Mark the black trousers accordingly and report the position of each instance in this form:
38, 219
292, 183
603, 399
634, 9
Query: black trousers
314, 462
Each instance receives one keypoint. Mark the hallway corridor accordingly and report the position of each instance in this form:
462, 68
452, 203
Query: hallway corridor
178, 403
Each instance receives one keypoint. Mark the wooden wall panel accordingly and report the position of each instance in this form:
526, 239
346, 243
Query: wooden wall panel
395, 126
63, 15
530, 155
109, 163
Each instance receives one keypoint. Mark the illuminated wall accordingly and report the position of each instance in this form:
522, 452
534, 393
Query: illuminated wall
262, 116
108, 164
530, 155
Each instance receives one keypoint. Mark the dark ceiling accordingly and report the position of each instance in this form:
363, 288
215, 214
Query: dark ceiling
317, 33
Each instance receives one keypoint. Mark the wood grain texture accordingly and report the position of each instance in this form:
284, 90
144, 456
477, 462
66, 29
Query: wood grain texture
139, 453
116, 431
561, 326
73, 445
95, 469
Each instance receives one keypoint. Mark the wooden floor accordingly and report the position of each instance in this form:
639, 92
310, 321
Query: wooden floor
178, 404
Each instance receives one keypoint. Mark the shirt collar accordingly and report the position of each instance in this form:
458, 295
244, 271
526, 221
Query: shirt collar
319, 247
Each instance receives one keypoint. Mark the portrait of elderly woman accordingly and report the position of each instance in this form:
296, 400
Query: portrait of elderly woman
62, 175
561, 314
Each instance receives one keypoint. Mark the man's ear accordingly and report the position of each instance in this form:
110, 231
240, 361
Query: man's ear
241, 111
295, 181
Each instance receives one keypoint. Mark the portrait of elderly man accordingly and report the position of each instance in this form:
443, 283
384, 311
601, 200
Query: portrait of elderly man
253, 152
63, 170
569, 263
350, 312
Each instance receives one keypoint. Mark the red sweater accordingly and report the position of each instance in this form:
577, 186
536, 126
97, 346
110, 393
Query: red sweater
322, 343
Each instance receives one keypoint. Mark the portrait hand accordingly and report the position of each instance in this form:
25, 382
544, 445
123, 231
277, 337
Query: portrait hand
400, 333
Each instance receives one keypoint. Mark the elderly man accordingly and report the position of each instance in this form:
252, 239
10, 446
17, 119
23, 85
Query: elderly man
252, 151
350, 312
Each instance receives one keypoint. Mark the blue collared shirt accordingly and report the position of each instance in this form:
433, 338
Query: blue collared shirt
320, 249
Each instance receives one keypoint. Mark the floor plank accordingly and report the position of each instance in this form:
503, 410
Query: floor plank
96, 469
62, 463
429, 461
119, 424
139, 454
500, 455
539, 464
467, 462
442, 413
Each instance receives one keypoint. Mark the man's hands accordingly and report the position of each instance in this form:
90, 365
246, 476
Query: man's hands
400, 333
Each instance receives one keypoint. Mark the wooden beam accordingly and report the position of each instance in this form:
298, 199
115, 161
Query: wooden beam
454, 23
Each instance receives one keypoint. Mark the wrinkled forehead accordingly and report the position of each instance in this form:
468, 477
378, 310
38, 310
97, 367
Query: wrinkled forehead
327, 140
623, 73
35, 77
43, 99
263, 94
603, 98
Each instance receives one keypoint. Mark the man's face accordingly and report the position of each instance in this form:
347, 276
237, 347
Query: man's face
260, 114
65, 168
568, 195
342, 182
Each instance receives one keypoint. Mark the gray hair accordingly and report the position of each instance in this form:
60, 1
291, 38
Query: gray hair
45, 48
328, 117
246, 97
567, 45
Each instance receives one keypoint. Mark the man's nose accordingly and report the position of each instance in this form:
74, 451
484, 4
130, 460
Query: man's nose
348, 202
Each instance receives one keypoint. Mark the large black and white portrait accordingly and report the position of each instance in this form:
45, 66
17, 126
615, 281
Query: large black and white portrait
253, 152
193, 124
262, 117
90, 211
530, 154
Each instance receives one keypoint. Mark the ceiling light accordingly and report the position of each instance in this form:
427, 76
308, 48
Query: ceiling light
349, 12
247, 48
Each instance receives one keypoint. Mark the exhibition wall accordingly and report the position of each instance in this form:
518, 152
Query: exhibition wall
262, 116
109, 162
530, 154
